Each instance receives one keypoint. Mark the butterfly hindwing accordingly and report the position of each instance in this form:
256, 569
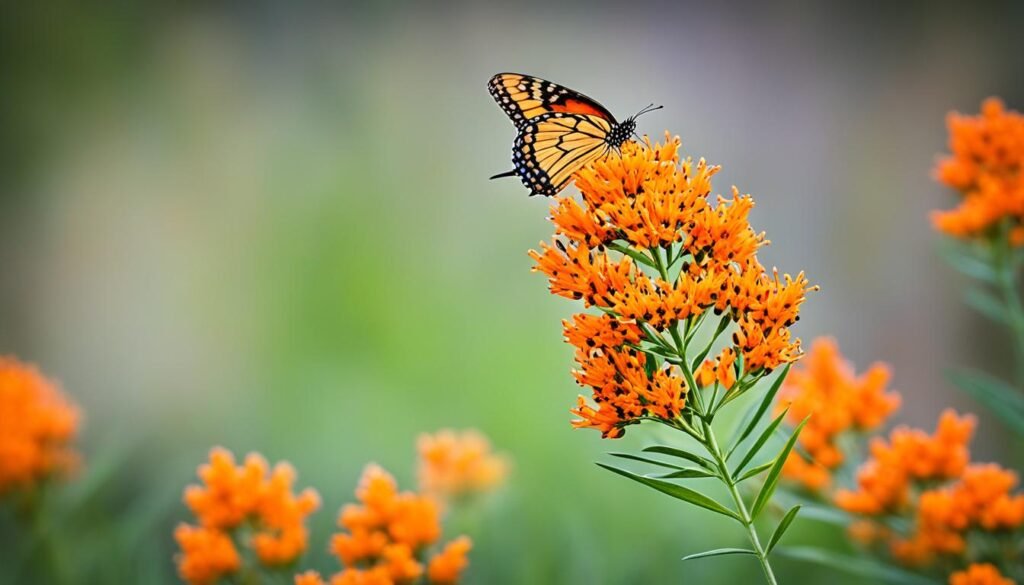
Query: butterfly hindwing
524, 97
551, 147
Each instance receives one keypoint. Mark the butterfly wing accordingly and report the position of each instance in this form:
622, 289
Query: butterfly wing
551, 147
524, 97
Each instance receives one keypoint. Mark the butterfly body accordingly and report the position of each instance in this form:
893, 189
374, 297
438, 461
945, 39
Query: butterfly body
559, 130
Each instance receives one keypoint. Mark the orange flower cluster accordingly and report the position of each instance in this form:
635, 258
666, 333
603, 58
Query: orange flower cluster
453, 464
248, 505
37, 426
646, 208
386, 536
987, 167
931, 481
980, 499
838, 401
979, 574
910, 455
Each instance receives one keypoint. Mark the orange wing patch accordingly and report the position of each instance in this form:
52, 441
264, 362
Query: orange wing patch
572, 106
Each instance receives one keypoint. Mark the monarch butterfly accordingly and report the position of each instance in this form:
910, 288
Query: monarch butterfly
560, 130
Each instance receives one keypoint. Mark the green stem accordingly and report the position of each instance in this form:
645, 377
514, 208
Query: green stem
1006, 275
711, 444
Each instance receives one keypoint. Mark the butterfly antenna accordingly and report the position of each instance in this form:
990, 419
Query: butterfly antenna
648, 108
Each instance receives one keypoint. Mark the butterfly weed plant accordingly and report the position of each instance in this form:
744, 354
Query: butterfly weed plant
985, 237
917, 508
682, 321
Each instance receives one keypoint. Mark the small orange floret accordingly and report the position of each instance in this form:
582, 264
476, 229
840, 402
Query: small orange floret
447, 566
255, 494
38, 425
837, 401
207, 554
980, 574
987, 167
453, 464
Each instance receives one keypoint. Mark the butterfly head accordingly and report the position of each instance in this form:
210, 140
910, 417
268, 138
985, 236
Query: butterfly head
622, 132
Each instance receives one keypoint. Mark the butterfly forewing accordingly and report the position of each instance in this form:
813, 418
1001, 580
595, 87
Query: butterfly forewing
524, 97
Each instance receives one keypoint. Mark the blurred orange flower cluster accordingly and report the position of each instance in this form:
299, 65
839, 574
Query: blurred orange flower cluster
653, 210
979, 574
918, 497
37, 427
987, 167
249, 505
908, 459
838, 401
456, 464
386, 536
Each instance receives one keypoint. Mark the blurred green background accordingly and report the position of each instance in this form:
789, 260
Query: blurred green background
268, 226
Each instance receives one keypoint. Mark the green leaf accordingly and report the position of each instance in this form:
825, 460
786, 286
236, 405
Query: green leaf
781, 528
646, 460
756, 471
772, 480
966, 260
638, 256
1005, 401
759, 411
682, 455
676, 491
862, 567
651, 365
987, 304
719, 552
697, 361
688, 473
761, 440
827, 515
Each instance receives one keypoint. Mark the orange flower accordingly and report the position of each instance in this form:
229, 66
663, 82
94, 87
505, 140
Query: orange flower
38, 424
309, 578
883, 482
979, 574
987, 167
448, 565
453, 464
207, 554
647, 246
386, 534
837, 401
250, 494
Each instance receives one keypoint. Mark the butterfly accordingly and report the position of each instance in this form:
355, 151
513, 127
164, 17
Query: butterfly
560, 130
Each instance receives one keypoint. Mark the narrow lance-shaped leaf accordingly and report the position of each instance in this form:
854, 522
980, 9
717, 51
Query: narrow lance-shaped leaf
755, 471
987, 304
781, 528
676, 491
682, 455
726, 319
761, 440
772, 480
719, 552
1003, 400
646, 460
761, 408
966, 260
874, 571
688, 473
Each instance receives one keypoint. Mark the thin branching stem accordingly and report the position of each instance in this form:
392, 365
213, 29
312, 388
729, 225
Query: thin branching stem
1005, 264
711, 444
